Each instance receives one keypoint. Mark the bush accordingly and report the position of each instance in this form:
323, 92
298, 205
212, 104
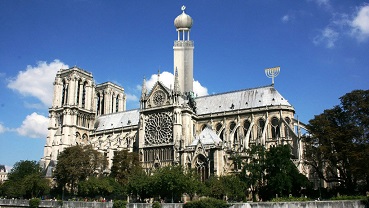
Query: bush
207, 203
156, 205
34, 203
119, 204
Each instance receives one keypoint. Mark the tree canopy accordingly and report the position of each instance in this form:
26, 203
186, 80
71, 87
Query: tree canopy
271, 172
25, 180
76, 164
338, 145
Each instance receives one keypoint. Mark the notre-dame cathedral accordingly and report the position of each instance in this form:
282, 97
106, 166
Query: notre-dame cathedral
172, 125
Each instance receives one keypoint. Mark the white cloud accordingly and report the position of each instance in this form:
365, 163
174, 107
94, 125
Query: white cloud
198, 89
328, 37
37, 81
167, 79
285, 18
131, 97
322, 3
2, 128
360, 23
34, 126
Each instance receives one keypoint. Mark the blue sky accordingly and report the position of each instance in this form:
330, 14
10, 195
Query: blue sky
322, 47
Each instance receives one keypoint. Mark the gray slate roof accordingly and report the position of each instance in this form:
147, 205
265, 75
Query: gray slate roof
240, 100
224, 102
118, 120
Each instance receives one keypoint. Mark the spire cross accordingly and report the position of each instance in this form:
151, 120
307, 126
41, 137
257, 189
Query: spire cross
272, 72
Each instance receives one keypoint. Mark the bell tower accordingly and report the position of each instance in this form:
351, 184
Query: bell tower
72, 114
183, 52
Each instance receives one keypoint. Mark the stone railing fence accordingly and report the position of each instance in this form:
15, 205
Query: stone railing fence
73, 204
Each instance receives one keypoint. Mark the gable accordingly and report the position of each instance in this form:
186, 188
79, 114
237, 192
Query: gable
159, 96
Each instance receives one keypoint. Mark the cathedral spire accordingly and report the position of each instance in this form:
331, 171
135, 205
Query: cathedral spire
144, 89
158, 74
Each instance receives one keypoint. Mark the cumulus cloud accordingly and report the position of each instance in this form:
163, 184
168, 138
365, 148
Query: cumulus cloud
37, 81
328, 37
360, 23
34, 126
167, 79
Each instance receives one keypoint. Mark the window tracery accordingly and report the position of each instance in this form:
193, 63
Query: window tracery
159, 128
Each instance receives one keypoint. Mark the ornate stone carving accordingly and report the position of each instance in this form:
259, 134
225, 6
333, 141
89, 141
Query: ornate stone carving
159, 98
159, 128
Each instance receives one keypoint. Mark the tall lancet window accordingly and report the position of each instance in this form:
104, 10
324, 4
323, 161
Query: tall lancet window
78, 91
102, 102
202, 167
112, 103
64, 93
261, 125
286, 128
275, 128
84, 94
220, 133
232, 128
117, 104
246, 126
98, 104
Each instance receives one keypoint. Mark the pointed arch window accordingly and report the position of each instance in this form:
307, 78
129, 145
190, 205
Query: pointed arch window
112, 103
232, 127
218, 128
203, 127
275, 128
78, 91
286, 129
117, 104
202, 167
246, 126
64, 93
261, 125
84, 94
98, 101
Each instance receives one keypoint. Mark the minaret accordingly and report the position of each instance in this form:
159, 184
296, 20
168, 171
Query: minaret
183, 52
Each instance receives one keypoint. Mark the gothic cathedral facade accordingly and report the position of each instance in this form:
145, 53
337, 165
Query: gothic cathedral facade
172, 126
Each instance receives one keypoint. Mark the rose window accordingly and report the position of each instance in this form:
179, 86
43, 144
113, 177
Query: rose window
158, 128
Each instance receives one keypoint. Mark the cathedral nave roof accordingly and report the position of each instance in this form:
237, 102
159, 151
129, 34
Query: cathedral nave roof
240, 100
118, 120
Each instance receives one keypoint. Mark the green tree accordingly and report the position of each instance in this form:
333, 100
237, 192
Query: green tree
170, 183
282, 175
140, 185
234, 188
253, 170
215, 188
25, 180
76, 164
337, 149
125, 164
95, 187
193, 185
